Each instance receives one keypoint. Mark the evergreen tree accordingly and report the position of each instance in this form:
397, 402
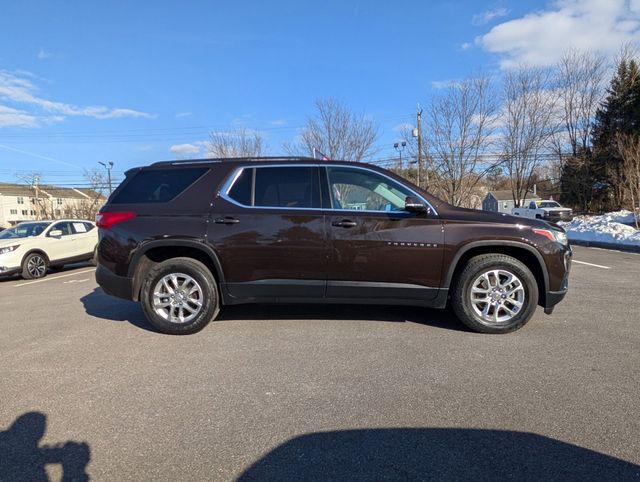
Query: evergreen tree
619, 113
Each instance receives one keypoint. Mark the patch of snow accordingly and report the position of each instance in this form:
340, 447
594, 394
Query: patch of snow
606, 228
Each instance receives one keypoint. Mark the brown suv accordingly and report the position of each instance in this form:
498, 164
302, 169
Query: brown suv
188, 237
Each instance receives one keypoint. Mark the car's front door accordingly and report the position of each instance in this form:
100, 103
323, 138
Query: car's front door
379, 250
268, 230
62, 245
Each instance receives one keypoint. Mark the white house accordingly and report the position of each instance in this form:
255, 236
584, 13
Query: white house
24, 203
502, 201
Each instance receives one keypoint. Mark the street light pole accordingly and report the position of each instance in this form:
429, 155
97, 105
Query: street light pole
108, 166
399, 146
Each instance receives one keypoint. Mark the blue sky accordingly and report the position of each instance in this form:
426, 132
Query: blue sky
82, 82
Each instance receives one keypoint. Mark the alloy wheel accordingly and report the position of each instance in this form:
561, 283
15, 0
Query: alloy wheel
36, 266
497, 296
177, 298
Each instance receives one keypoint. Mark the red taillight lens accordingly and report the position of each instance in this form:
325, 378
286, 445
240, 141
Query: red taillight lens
108, 220
544, 232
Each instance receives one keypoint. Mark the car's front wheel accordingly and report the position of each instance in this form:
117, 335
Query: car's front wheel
179, 296
34, 266
495, 293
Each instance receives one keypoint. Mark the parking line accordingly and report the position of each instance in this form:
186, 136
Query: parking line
591, 264
55, 278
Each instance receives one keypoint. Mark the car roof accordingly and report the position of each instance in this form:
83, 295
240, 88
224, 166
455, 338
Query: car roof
56, 221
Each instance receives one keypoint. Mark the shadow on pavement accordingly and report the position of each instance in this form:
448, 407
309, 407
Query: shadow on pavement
101, 305
435, 453
23, 458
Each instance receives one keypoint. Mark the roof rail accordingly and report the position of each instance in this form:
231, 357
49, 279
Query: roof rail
232, 159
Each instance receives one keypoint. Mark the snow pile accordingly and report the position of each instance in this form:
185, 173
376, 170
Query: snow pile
607, 228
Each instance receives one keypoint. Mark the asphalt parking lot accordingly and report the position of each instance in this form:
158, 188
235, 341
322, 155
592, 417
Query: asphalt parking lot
342, 392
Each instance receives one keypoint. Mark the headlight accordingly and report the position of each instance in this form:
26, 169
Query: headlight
553, 235
8, 249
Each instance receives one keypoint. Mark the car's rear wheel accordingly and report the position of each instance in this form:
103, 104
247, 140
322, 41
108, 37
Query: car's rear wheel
179, 296
34, 266
495, 293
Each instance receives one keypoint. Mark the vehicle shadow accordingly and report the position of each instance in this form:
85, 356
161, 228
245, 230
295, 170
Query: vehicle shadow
50, 271
99, 304
23, 458
434, 453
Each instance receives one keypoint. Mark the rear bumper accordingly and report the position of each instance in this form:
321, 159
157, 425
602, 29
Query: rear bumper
114, 285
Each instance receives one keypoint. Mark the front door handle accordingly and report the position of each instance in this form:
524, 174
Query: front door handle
345, 223
226, 220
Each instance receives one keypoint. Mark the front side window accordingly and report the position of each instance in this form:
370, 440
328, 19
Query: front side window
279, 186
65, 227
360, 190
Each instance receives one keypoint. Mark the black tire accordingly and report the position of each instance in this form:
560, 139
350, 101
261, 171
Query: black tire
461, 293
202, 275
29, 264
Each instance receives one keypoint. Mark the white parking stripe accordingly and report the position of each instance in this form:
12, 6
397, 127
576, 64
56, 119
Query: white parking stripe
591, 264
54, 278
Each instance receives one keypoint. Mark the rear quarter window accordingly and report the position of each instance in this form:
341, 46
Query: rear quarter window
157, 186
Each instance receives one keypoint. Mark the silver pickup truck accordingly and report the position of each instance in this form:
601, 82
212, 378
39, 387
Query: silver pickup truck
546, 210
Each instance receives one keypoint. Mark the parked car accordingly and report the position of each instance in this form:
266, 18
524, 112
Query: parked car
550, 211
30, 248
185, 238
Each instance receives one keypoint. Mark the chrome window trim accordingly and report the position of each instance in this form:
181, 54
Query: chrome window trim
228, 184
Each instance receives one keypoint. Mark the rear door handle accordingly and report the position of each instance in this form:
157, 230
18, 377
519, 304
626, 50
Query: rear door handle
226, 220
345, 223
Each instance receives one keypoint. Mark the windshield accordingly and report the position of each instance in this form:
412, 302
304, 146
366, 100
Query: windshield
24, 230
548, 204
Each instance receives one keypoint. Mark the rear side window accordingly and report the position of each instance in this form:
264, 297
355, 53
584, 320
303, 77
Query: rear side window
282, 187
157, 186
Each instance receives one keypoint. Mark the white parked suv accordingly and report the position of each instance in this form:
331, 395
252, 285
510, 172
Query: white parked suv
32, 247
546, 210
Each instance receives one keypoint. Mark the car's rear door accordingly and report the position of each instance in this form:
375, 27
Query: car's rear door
269, 233
85, 235
378, 250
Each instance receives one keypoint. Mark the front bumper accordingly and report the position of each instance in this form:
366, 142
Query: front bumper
114, 285
552, 298
6, 271
555, 217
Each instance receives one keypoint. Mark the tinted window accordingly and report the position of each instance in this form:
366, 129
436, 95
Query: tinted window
293, 187
157, 186
241, 189
359, 190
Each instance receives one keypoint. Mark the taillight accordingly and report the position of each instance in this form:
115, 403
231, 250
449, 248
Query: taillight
110, 219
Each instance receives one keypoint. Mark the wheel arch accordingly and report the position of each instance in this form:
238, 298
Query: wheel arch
520, 251
38, 251
160, 250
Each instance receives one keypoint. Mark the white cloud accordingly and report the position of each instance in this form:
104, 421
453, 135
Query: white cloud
488, 15
465, 46
443, 84
278, 122
182, 114
541, 37
43, 54
10, 117
19, 89
182, 150
403, 127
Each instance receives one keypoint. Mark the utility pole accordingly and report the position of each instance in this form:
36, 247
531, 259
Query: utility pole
108, 166
36, 187
419, 127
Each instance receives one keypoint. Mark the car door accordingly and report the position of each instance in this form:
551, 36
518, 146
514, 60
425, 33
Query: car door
62, 246
85, 237
378, 250
269, 233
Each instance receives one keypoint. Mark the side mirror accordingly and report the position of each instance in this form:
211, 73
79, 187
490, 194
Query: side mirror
55, 233
412, 205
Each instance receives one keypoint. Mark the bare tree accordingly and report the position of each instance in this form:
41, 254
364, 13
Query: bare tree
241, 142
628, 145
337, 132
95, 195
460, 124
528, 124
580, 82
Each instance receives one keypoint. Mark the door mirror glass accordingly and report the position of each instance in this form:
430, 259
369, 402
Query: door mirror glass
55, 233
414, 205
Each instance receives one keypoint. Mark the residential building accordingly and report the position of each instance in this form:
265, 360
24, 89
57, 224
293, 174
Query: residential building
19, 202
502, 201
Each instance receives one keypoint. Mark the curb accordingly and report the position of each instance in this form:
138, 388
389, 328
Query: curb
603, 245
